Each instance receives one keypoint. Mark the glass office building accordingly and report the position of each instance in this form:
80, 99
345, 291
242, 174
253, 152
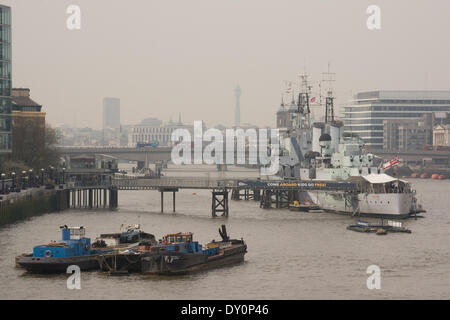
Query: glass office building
365, 114
5, 79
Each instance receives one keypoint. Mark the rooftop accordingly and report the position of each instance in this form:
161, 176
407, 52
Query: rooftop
21, 98
404, 95
24, 102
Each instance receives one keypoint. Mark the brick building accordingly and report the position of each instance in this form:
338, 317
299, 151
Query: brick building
28, 122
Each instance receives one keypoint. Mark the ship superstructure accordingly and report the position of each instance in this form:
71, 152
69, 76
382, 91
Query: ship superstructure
380, 195
296, 138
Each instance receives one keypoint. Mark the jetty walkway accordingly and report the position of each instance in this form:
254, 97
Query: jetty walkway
270, 193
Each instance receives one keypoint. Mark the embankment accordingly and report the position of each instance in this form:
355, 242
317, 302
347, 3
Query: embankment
16, 207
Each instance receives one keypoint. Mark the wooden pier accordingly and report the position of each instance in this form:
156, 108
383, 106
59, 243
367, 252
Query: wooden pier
270, 193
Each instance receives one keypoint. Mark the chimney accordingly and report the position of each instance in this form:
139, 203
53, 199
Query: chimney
21, 92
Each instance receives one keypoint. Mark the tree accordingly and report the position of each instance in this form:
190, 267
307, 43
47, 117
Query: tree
34, 144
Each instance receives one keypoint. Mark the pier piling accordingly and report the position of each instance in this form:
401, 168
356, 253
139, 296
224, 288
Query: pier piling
173, 190
90, 198
279, 198
246, 194
220, 203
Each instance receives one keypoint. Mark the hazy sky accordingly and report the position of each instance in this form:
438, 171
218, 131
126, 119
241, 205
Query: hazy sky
162, 57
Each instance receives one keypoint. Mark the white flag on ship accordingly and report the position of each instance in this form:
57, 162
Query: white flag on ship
391, 163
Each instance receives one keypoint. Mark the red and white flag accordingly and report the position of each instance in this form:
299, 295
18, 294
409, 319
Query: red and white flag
313, 100
391, 163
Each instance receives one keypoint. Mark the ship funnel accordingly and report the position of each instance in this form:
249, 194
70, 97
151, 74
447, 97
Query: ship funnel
325, 144
335, 133
318, 130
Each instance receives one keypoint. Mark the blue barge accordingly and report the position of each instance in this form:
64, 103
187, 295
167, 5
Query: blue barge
57, 256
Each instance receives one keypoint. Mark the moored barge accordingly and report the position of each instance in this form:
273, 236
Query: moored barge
176, 253
75, 249
57, 256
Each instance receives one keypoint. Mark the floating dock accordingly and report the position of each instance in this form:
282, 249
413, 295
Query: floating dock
391, 226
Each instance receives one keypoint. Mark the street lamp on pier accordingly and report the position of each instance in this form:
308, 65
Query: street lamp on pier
3, 183
13, 175
63, 175
24, 176
42, 176
50, 170
30, 178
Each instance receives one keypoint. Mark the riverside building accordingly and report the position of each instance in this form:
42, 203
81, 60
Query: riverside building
5, 80
366, 113
153, 130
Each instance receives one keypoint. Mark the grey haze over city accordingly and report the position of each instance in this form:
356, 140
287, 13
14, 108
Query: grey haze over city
162, 58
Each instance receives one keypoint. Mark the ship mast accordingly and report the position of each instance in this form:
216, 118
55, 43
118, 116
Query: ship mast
303, 100
328, 78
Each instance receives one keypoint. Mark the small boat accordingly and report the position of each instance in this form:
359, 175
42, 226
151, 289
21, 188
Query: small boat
131, 234
380, 229
304, 207
57, 256
381, 232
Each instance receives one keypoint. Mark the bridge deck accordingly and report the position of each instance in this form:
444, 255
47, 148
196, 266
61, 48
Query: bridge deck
190, 183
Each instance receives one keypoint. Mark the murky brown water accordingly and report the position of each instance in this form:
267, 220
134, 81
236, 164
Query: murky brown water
291, 255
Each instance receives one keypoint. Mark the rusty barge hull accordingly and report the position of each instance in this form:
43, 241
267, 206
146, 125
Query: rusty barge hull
170, 263
166, 265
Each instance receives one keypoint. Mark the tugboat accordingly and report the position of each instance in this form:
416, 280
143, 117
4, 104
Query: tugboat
55, 257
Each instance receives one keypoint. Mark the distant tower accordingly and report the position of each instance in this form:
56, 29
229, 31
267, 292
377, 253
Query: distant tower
111, 113
237, 111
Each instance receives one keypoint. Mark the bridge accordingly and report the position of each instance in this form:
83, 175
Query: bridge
144, 155
148, 155
413, 155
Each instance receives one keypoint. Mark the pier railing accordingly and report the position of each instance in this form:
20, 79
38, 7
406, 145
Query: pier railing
88, 185
186, 183
210, 183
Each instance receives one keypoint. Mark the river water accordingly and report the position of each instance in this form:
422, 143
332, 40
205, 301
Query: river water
291, 255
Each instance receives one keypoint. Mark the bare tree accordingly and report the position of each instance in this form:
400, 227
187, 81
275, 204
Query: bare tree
34, 145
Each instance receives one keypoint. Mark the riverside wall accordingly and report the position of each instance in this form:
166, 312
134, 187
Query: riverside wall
32, 202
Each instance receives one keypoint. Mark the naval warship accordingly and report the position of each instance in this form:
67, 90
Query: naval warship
321, 151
